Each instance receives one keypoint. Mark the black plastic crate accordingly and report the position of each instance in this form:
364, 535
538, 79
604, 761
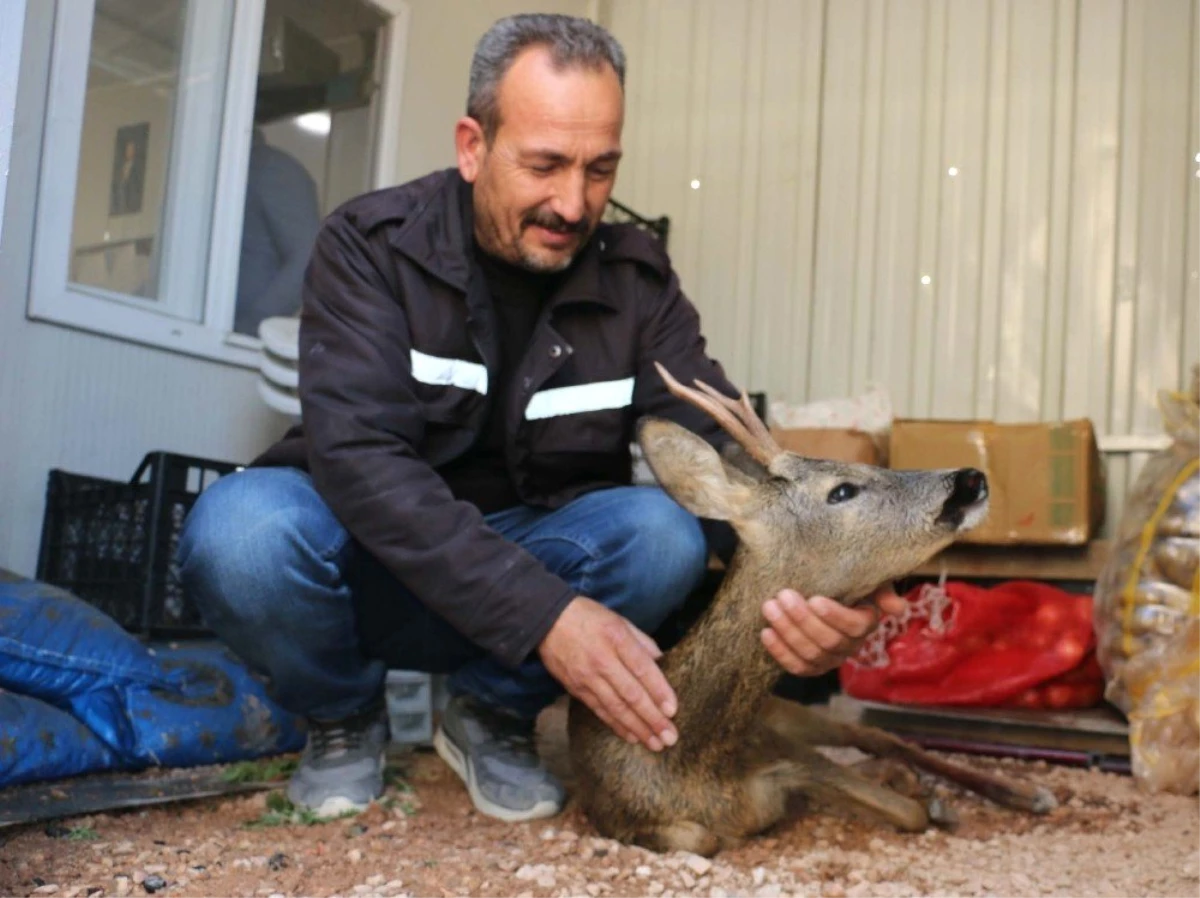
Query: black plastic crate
113, 543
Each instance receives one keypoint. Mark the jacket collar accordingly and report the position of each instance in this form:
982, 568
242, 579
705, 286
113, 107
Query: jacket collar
440, 236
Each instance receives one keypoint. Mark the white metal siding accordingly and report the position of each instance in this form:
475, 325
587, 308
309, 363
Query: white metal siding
1061, 253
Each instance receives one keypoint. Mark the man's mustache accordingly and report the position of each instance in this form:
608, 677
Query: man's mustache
552, 221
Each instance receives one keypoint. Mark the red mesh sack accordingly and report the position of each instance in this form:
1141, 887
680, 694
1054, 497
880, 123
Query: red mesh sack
1019, 644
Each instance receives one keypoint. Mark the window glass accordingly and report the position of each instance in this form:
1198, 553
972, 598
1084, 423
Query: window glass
139, 156
312, 142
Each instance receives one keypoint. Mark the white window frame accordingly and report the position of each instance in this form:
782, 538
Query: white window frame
53, 298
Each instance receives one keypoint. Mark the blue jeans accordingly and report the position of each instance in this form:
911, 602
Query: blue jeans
278, 578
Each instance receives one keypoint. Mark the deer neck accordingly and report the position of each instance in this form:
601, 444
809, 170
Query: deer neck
720, 670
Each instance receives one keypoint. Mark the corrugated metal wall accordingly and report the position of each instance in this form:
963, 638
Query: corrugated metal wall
989, 207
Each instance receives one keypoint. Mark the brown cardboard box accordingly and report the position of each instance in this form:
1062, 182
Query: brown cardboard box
1046, 481
829, 442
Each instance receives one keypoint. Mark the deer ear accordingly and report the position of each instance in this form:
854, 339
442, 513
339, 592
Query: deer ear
692, 472
739, 462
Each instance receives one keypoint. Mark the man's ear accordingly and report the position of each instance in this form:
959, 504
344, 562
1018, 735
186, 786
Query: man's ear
692, 472
470, 147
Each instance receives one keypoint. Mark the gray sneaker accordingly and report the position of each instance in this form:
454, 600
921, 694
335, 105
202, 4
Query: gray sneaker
495, 755
341, 769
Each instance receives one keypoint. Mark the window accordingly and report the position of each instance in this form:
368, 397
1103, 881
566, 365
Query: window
191, 148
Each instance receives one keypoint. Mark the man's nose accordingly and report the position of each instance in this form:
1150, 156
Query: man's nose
569, 199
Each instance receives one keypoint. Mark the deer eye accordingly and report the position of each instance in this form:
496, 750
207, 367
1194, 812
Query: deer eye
843, 492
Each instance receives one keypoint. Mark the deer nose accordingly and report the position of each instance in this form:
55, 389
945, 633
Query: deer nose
970, 485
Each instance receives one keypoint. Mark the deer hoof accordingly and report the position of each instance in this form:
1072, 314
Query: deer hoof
942, 815
1043, 801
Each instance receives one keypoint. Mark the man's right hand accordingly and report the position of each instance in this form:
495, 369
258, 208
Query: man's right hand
609, 664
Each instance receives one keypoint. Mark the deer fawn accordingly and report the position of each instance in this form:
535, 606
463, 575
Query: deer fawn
822, 528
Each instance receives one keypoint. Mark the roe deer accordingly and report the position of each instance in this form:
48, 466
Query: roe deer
822, 528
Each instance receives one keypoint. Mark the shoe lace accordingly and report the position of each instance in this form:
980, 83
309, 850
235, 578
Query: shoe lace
518, 741
508, 732
340, 737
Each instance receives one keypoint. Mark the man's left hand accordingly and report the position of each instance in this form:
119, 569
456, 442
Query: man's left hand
809, 637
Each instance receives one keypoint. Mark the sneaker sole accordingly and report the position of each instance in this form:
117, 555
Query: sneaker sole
338, 806
450, 753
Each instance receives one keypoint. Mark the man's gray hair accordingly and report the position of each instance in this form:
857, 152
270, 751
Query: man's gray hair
572, 42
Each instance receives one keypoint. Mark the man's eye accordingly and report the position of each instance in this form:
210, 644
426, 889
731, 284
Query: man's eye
602, 173
544, 169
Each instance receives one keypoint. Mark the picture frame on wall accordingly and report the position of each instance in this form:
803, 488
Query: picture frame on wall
129, 169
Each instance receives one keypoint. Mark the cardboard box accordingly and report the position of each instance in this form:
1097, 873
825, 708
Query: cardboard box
1046, 480
837, 444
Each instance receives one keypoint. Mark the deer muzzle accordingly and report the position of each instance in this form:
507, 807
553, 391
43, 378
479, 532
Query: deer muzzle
968, 488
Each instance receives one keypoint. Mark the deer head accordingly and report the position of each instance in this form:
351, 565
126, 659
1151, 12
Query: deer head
830, 528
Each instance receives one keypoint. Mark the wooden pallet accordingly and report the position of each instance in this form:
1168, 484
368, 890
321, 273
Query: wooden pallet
1090, 737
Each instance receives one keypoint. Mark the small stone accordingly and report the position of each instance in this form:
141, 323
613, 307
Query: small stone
542, 874
156, 868
387, 825
139, 877
508, 864
354, 855
834, 890
698, 865
153, 883
361, 889
569, 836
277, 861
549, 833
643, 871
655, 888
759, 875
718, 892
375, 881
48, 889
124, 886
592, 889
688, 880
123, 848
394, 884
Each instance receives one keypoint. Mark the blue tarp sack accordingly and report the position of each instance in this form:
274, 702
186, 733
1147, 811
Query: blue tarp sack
38, 742
171, 706
57, 648
219, 713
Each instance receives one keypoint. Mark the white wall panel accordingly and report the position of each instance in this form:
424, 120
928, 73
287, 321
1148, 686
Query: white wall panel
1034, 160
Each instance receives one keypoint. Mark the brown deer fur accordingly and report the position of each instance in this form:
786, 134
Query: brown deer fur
742, 754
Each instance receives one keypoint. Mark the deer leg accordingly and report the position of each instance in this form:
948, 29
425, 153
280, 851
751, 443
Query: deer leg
837, 785
807, 726
683, 835
894, 774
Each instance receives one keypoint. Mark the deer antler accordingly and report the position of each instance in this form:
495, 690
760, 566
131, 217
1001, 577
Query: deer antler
736, 417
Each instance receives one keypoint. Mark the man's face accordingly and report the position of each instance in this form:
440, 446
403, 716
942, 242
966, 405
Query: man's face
542, 185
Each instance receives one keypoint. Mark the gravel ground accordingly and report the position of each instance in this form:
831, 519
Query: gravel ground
1106, 838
